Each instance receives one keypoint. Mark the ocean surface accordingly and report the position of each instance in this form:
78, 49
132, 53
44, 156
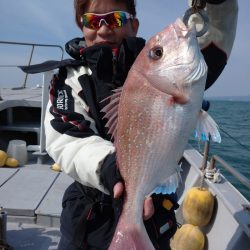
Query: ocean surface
233, 118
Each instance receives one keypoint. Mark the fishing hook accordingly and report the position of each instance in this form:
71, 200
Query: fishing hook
197, 7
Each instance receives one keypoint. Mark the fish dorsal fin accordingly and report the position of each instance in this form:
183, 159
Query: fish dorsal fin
111, 111
207, 126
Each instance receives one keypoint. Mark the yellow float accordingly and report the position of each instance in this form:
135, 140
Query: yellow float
12, 162
188, 237
56, 167
5, 160
198, 206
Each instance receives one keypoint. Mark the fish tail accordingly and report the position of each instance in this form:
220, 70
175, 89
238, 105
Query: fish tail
131, 237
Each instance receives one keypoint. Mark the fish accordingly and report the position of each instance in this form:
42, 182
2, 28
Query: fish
151, 118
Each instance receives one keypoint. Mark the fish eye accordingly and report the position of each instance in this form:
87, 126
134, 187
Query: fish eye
156, 53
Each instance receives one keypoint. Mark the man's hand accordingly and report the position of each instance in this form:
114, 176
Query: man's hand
112, 180
148, 209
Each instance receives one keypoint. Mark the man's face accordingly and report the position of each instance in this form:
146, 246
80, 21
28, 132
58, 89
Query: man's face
104, 34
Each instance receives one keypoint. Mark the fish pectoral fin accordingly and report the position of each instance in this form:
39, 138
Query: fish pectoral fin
170, 185
207, 126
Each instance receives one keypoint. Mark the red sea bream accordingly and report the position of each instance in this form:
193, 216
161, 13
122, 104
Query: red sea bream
158, 109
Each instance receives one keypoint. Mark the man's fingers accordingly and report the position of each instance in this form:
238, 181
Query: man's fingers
148, 209
118, 189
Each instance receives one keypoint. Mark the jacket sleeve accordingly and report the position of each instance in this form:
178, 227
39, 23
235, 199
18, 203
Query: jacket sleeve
72, 139
216, 44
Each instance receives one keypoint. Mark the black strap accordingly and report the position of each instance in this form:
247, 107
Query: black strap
49, 65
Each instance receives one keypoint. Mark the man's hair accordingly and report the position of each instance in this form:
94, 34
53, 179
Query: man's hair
80, 6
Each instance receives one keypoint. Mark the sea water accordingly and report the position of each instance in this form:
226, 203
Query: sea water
233, 118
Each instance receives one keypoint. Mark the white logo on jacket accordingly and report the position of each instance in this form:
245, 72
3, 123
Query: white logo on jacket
62, 100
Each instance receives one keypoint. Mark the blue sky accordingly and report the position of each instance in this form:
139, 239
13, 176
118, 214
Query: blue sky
52, 22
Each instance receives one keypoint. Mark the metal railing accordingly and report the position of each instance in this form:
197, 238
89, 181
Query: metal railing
32, 45
215, 158
231, 170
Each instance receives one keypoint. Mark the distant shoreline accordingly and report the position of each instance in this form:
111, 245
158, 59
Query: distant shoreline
229, 98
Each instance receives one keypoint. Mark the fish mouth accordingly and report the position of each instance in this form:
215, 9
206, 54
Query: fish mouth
183, 31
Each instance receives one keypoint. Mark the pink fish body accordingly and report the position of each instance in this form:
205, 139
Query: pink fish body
157, 111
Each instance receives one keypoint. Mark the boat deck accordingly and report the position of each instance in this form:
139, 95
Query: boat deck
26, 97
22, 236
33, 193
32, 197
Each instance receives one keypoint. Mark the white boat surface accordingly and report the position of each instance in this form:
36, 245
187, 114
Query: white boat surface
31, 194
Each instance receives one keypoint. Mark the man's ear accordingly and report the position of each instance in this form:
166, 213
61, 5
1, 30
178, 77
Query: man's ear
135, 26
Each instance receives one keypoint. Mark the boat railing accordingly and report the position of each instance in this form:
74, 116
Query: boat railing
215, 158
39, 148
230, 169
32, 45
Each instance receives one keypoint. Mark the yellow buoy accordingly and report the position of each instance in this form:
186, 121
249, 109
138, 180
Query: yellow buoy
188, 237
3, 158
56, 167
198, 206
12, 162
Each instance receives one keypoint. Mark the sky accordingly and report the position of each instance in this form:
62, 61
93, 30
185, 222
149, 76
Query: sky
52, 22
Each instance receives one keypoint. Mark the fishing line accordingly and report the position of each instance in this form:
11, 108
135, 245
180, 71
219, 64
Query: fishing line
242, 145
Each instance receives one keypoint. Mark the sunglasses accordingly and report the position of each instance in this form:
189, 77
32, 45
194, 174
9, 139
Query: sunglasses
114, 19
